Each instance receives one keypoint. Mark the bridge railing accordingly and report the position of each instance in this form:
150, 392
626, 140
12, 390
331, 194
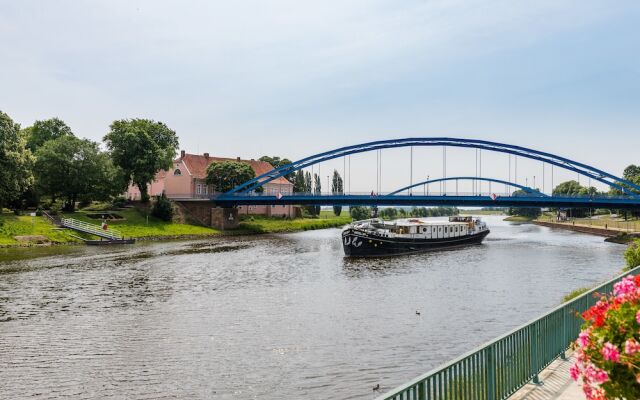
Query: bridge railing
416, 193
499, 368
92, 229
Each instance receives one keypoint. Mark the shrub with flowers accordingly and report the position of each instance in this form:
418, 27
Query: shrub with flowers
608, 348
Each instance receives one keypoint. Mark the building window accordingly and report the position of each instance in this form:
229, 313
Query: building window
177, 172
198, 189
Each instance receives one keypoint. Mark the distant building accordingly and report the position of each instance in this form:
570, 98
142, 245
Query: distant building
186, 180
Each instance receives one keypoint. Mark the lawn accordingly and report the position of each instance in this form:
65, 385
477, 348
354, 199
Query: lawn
136, 225
259, 224
12, 225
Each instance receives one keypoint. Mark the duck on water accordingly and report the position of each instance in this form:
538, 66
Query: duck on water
375, 237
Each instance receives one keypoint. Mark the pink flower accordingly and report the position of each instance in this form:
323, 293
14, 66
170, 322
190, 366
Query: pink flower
625, 286
638, 317
583, 338
574, 372
631, 346
610, 352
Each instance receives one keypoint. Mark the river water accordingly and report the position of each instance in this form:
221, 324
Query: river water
270, 317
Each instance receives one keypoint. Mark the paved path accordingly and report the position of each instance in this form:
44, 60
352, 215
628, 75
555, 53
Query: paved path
555, 383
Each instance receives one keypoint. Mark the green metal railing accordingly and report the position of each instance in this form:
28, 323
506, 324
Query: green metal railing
499, 368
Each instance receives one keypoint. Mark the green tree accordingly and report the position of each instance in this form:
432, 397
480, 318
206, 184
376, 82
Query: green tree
43, 131
317, 190
15, 162
570, 188
76, 169
277, 162
162, 208
531, 212
359, 213
337, 188
141, 148
225, 175
632, 254
299, 182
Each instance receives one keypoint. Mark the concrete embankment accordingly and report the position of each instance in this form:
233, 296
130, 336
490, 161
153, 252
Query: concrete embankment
593, 230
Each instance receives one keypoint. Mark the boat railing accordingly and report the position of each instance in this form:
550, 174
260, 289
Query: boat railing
497, 369
92, 229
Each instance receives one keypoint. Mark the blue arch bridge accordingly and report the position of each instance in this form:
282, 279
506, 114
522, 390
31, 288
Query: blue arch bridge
524, 196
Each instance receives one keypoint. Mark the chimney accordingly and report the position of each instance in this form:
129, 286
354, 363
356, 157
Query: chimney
238, 159
206, 155
182, 153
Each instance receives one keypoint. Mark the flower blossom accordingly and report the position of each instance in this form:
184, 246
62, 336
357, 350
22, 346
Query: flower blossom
610, 352
631, 346
583, 338
627, 286
574, 371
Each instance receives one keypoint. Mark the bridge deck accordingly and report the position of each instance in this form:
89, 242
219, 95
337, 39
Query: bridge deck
226, 200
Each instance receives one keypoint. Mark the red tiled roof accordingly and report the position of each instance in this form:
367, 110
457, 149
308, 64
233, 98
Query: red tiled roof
197, 165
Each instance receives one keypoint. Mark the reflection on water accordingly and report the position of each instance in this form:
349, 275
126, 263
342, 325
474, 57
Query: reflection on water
280, 316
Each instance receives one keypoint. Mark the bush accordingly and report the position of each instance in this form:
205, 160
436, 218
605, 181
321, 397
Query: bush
119, 202
359, 213
162, 208
38, 212
608, 348
632, 254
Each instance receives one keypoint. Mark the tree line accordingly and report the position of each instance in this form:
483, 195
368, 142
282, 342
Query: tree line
48, 161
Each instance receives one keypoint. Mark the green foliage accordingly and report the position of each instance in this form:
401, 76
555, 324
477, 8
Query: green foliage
528, 212
299, 184
43, 131
75, 169
15, 162
162, 208
317, 190
141, 148
337, 187
570, 188
277, 162
632, 254
574, 293
359, 213
393, 213
261, 224
225, 175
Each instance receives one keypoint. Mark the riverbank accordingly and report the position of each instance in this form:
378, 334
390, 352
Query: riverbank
518, 218
25, 231
612, 234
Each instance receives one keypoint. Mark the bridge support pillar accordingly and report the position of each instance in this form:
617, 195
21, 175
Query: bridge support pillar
224, 218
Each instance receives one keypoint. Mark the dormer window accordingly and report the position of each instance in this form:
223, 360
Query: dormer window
177, 172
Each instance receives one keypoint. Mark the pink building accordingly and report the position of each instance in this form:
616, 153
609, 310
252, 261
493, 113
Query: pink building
186, 180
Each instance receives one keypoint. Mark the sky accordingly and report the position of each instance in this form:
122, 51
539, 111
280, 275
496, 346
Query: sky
294, 78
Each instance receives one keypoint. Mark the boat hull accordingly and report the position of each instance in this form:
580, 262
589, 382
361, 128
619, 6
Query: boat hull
357, 243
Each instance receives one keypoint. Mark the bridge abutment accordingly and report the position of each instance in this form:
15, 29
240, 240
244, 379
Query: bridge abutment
224, 218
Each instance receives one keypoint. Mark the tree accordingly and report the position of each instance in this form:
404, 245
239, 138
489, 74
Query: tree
43, 131
570, 188
531, 212
141, 148
76, 169
337, 188
225, 175
299, 182
15, 162
359, 213
277, 162
317, 190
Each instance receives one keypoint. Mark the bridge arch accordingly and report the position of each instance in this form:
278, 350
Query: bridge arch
562, 162
526, 189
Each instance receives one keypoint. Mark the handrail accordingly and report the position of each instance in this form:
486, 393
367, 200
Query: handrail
91, 229
497, 369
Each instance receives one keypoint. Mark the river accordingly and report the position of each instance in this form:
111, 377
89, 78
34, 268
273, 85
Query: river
273, 316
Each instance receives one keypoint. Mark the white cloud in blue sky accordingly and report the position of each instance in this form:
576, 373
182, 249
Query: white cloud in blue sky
292, 78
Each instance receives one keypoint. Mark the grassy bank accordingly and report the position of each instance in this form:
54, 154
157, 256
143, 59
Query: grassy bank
259, 224
136, 224
12, 225
518, 218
